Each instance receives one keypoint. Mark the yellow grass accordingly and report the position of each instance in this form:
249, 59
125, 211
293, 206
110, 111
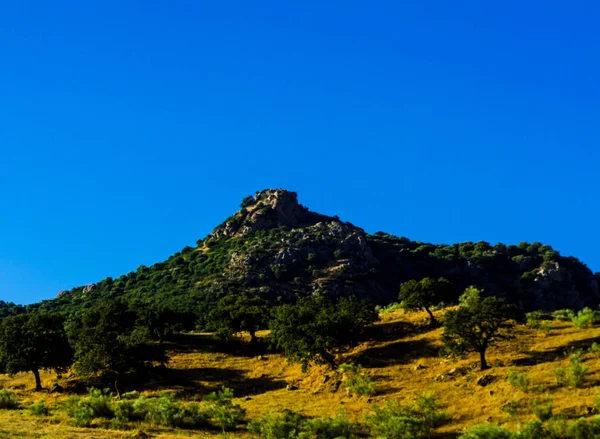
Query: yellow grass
402, 358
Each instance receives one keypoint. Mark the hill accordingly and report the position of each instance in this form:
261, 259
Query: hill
275, 248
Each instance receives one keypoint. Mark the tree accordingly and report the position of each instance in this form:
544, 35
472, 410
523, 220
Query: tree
31, 342
162, 321
238, 312
424, 294
478, 324
315, 327
106, 338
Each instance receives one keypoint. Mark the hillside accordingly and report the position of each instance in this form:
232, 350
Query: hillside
401, 356
277, 249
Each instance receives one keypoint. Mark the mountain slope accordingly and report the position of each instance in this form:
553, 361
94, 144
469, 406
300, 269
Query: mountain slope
278, 249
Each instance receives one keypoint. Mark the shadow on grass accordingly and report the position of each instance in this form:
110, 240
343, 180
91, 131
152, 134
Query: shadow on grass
533, 358
396, 352
182, 343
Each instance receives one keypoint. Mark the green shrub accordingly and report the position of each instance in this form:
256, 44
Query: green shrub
101, 403
511, 407
221, 409
545, 327
594, 349
577, 371
82, 413
124, 411
356, 382
532, 430
337, 427
533, 319
520, 380
582, 429
585, 318
8, 400
485, 431
39, 409
389, 308
542, 409
397, 421
564, 315
284, 425
131, 395
560, 373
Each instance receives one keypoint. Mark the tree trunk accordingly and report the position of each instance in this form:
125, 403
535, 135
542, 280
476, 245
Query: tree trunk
252, 336
433, 321
482, 362
38, 381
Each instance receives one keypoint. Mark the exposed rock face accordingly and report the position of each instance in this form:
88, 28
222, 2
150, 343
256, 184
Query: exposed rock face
88, 288
62, 293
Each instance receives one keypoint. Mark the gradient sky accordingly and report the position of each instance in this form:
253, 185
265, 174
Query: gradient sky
129, 129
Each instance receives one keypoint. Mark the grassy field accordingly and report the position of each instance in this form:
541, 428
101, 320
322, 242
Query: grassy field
401, 355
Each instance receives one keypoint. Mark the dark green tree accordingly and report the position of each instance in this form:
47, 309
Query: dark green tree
161, 321
478, 324
315, 327
32, 342
424, 294
107, 338
239, 312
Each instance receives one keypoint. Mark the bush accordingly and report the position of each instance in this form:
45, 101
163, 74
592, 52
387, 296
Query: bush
397, 421
356, 382
582, 429
39, 409
564, 315
520, 380
560, 373
532, 430
337, 427
8, 400
594, 349
101, 403
284, 425
542, 409
485, 431
533, 319
585, 318
389, 308
221, 409
511, 408
577, 371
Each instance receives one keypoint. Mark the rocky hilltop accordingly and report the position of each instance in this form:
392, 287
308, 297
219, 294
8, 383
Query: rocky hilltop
278, 249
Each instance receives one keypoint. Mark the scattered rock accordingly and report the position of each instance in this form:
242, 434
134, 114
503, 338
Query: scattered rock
484, 380
247, 398
591, 410
452, 371
419, 367
291, 387
62, 293
88, 289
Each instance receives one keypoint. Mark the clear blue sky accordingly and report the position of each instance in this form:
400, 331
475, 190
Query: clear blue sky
129, 129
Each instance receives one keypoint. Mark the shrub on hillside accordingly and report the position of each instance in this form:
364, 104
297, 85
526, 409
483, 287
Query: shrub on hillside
39, 408
485, 431
542, 409
594, 349
337, 427
8, 400
355, 381
564, 315
520, 380
585, 318
284, 425
398, 421
221, 409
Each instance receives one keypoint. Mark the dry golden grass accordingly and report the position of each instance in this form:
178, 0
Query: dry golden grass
402, 357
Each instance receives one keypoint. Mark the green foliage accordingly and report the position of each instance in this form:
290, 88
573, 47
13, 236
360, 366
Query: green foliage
39, 408
389, 308
542, 409
239, 312
397, 421
478, 324
582, 429
161, 321
485, 431
108, 338
284, 425
221, 409
511, 408
313, 328
560, 373
532, 430
34, 341
8, 400
574, 374
291, 425
594, 349
356, 382
520, 380
424, 294
564, 315
585, 318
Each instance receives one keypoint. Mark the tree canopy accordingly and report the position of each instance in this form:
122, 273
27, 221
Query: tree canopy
424, 294
315, 327
107, 338
35, 341
239, 312
478, 324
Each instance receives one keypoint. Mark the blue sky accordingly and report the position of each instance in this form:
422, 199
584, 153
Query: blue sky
130, 129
